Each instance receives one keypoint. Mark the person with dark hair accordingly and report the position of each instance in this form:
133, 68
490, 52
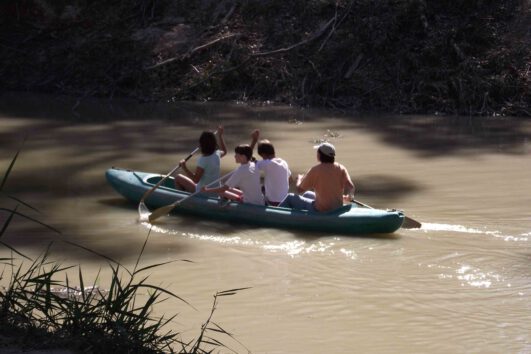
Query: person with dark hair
324, 184
244, 182
208, 164
277, 175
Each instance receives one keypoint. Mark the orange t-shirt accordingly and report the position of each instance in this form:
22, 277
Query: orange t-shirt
328, 180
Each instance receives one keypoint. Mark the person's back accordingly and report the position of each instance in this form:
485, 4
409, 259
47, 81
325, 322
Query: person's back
276, 171
323, 184
211, 167
276, 179
244, 182
247, 178
208, 164
327, 180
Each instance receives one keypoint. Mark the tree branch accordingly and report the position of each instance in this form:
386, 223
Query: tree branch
193, 51
316, 35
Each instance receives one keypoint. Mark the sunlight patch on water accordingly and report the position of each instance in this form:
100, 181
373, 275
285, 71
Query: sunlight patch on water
291, 248
429, 227
349, 253
297, 247
476, 278
233, 240
448, 227
469, 275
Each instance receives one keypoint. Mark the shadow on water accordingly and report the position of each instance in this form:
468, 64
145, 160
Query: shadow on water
392, 187
115, 202
439, 136
97, 133
35, 238
427, 135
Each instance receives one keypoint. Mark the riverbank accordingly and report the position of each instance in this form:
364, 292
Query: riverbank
40, 313
468, 58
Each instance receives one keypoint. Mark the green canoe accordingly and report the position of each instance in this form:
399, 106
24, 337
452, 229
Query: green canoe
349, 219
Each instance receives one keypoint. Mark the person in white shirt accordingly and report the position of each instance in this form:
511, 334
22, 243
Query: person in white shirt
244, 182
277, 175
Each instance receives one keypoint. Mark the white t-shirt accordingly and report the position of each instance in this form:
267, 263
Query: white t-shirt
247, 179
276, 178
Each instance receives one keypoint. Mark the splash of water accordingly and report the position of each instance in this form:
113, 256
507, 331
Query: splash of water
143, 212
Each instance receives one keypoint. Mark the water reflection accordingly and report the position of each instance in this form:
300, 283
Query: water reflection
430, 227
465, 276
476, 277
272, 244
428, 136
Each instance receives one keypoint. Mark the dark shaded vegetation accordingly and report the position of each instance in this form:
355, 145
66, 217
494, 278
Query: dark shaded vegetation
39, 312
469, 57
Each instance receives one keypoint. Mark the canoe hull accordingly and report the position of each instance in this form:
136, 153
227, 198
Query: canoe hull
346, 220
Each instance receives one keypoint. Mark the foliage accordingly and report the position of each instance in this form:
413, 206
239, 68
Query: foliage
39, 311
408, 56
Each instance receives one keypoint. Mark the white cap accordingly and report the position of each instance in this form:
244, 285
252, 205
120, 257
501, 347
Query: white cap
326, 149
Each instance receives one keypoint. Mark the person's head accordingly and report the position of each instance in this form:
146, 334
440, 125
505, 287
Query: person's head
326, 152
244, 153
207, 143
266, 149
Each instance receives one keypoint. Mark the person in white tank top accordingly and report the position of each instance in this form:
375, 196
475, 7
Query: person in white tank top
277, 175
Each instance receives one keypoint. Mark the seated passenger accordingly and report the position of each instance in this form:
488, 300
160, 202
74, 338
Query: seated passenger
277, 175
325, 183
244, 183
208, 164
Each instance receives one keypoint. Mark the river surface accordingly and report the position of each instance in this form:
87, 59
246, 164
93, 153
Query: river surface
460, 284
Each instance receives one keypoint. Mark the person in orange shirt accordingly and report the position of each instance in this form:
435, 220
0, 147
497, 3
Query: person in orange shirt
324, 184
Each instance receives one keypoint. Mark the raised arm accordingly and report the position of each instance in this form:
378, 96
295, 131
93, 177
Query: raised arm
254, 138
222, 146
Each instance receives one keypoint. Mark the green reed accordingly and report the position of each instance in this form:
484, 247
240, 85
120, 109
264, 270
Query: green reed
40, 311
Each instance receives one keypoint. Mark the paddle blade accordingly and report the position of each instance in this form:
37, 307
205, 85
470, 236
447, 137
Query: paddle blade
411, 224
165, 210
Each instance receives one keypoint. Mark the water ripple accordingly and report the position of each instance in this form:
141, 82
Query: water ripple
434, 227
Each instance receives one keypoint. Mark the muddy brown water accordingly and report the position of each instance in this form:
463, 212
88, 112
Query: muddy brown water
460, 284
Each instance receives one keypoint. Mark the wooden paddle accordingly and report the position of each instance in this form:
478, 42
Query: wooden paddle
407, 224
165, 210
142, 208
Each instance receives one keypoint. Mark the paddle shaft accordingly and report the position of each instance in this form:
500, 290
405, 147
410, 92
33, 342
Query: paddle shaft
148, 193
408, 222
362, 204
157, 213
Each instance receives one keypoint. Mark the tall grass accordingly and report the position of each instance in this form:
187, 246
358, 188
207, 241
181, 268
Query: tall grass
39, 311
